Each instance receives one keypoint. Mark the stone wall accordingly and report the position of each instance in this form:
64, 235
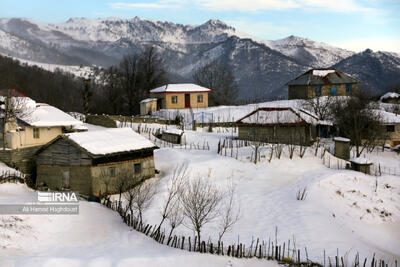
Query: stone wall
101, 120
309, 91
22, 159
101, 173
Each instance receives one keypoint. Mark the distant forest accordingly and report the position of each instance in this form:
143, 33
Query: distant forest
116, 90
56, 88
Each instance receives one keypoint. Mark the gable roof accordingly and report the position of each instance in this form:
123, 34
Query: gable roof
280, 115
322, 77
38, 115
180, 88
110, 141
45, 115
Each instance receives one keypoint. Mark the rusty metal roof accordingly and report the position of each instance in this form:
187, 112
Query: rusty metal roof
322, 77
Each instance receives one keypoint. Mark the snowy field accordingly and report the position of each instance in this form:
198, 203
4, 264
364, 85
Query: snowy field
96, 237
344, 210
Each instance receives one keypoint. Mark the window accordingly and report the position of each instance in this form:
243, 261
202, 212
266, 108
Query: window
36, 132
348, 88
318, 90
333, 91
390, 128
174, 99
111, 171
137, 168
199, 98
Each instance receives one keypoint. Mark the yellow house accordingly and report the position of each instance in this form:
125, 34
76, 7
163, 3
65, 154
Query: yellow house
38, 126
180, 96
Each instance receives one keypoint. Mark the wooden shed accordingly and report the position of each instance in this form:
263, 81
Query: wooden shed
92, 162
279, 125
172, 135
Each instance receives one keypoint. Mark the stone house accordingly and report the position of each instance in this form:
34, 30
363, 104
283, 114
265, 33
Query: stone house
180, 96
91, 162
280, 125
322, 82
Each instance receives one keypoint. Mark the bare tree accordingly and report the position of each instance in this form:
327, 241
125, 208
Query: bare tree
175, 187
121, 184
86, 95
140, 73
358, 120
230, 211
200, 199
320, 106
14, 108
142, 196
218, 77
175, 216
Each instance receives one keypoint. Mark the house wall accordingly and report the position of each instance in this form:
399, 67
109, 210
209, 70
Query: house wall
23, 158
308, 91
167, 100
278, 134
148, 107
80, 179
101, 178
22, 139
393, 138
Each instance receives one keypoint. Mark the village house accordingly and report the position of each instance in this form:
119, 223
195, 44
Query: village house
391, 98
390, 128
178, 96
34, 125
322, 82
281, 125
91, 162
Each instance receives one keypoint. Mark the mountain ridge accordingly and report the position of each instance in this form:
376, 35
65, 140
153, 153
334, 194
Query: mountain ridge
261, 67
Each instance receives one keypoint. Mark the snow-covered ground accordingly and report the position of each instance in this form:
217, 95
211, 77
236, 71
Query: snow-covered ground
96, 237
344, 210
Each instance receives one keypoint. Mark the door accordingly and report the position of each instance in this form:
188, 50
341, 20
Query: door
65, 178
187, 100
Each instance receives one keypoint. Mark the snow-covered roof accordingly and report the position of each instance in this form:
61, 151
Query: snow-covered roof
390, 95
173, 131
280, 115
322, 73
341, 139
48, 116
180, 88
115, 140
148, 100
322, 77
361, 161
387, 117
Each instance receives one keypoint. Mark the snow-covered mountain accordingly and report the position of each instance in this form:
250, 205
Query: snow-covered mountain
375, 70
309, 52
261, 67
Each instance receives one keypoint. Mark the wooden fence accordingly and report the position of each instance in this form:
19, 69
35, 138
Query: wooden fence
11, 177
284, 253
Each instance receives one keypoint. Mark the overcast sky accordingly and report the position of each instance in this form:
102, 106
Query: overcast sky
351, 24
